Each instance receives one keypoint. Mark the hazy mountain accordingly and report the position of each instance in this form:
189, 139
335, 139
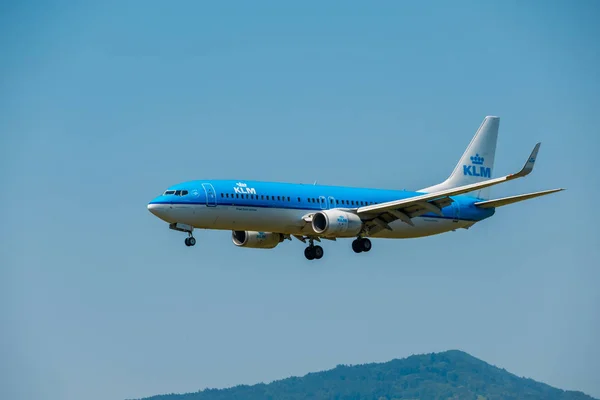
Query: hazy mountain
448, 375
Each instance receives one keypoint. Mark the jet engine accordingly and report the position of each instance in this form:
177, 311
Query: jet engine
336, 223
256, 240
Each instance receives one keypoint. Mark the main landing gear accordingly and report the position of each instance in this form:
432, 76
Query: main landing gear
313, 252
361, 244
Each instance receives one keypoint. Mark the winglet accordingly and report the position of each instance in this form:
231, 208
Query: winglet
528, 167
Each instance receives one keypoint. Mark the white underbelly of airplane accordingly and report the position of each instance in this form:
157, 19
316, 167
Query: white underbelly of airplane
289, 221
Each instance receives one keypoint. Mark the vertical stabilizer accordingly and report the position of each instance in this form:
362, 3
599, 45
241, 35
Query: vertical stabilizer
477, 162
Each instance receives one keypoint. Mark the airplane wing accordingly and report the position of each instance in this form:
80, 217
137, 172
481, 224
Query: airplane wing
378, 216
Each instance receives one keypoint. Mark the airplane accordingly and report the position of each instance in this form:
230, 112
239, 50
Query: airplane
263, 214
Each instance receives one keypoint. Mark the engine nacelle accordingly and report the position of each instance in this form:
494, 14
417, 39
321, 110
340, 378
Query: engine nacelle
256, 240
336, 223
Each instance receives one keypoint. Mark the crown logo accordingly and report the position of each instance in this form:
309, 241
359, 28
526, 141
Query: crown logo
240, 184
477, 160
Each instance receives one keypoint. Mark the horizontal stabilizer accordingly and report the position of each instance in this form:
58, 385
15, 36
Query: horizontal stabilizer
513, 199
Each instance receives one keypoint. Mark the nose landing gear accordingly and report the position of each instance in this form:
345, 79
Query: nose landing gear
178, 226
190, 241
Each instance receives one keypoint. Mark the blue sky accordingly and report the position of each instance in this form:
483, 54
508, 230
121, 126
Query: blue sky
102, 106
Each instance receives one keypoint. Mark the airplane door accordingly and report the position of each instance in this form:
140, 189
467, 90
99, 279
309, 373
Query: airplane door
331, 202
323, 202
211, 197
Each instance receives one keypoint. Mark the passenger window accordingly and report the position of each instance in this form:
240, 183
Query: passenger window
288, 198
278, 198
237, 196
262, 196
227, 195
222, 195
298, 199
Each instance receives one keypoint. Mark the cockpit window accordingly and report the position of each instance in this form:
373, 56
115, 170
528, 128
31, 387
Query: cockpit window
176, 193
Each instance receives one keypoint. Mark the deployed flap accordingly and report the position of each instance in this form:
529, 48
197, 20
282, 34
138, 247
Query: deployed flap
513, 199
440, 195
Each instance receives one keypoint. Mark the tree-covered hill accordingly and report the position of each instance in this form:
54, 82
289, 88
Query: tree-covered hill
448, 375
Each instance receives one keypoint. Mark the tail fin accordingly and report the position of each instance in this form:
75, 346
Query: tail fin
477, 162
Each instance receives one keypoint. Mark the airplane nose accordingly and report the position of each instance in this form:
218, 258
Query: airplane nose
160, 210
154, 208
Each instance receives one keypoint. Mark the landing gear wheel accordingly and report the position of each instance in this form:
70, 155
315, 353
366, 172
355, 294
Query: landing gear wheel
365, 244
190, 241
309, 253
361, 244
318, 252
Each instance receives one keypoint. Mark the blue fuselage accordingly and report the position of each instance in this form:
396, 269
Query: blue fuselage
227, 203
